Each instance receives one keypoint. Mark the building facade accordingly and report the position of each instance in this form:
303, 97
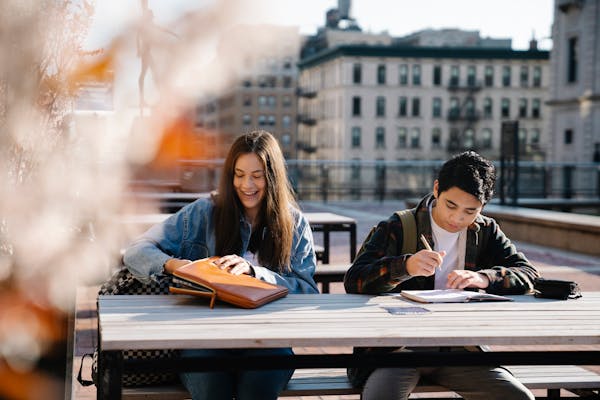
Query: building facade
264, 96
420, 103
574, 99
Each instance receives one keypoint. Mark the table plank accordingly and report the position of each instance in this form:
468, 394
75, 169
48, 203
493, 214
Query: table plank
145, 322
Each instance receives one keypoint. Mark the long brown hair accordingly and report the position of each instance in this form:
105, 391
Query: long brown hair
274, 249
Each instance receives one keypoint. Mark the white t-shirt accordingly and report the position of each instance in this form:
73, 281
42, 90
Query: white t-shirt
454, 245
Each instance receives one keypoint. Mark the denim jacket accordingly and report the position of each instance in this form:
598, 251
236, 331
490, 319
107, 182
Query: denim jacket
189, 234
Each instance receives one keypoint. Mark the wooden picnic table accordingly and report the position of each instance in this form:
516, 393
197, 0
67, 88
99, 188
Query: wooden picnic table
319, 320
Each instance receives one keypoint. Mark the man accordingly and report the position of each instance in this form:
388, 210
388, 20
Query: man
468, 251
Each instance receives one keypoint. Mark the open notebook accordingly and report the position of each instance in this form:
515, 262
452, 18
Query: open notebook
450, 296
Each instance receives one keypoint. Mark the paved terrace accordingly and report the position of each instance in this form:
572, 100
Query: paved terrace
552, 263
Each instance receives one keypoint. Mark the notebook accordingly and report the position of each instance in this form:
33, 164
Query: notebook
450, 296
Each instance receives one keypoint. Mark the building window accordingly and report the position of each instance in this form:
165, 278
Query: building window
524, 76
403, 74
287, 81
286, 121
247, 119
489, 76
272, 101
357, 73
522, 108
454, 75
436, 138
356, 106
506, 76
522, 139
573, 60
415, 138
471, 75
286, 101
262, 101
505, 108
535, 108
286, 139
247, 101
486, 139
534, 139
380, 137
416, 106
380, 106
401, 144
271, 120
355, 169
356, 136
437, 107
537, 76
287, 63
470, 107
262, 120
437, 75
402, 106
381, 74
247, 83
416, 75
469, 139
487, 107
454, 111
569, 136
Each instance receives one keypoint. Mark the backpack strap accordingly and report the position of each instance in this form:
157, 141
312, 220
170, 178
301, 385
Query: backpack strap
409, 231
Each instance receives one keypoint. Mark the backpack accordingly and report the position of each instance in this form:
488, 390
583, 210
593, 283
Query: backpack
122, 282
409, 233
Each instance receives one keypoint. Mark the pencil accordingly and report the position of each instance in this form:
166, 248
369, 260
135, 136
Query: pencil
425, 243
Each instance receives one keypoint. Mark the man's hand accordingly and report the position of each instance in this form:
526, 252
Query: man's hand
424, 263
460, 279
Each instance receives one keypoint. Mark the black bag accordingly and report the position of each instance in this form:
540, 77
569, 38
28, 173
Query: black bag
123, 282
556, 289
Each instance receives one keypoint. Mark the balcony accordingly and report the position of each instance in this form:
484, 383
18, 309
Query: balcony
471, 85
456, 114
306, 93
306, 120
306, 147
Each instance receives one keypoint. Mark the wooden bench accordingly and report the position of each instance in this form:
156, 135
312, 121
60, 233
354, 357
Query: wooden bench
328, 273
330, 382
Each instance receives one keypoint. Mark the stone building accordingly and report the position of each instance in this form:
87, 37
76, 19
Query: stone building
405, 102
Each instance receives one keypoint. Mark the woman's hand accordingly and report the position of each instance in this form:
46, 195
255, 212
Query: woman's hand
424, 263
173, 263
235, 265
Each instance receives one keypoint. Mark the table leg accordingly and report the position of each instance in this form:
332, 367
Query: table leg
352, 242
326, 244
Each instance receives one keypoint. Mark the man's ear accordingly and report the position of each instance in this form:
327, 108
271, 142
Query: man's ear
435, 188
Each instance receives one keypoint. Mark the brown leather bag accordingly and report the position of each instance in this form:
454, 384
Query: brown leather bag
205, 279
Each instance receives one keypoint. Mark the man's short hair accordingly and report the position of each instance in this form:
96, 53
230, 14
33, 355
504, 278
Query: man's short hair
469, 172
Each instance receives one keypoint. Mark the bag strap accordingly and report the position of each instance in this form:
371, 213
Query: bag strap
409, 231
84, 382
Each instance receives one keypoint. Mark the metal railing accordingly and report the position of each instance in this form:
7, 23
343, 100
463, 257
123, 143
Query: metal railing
388, 180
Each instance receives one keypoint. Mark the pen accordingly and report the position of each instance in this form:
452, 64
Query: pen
425, 243
427, 246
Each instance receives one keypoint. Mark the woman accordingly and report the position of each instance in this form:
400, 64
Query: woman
254, 224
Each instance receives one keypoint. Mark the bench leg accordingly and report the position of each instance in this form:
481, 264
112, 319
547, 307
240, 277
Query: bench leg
553, 394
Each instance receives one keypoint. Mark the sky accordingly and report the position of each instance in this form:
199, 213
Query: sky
518, 20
